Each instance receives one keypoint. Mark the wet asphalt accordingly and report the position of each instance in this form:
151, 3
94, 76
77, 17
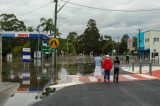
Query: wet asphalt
128, 93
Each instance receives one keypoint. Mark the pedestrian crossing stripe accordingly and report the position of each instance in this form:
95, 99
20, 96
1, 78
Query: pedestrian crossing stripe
147, 76
92, 78
124, 77
130, 77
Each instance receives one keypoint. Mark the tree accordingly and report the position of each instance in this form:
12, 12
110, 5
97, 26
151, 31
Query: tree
9, 22
123, 45
91, 37
48, 26
30, 29
72, 41
134, 42
108, 44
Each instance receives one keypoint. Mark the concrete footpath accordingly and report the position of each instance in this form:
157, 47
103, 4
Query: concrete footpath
6, 90
127, 93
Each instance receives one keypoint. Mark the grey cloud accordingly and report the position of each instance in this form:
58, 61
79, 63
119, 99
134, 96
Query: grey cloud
76, 18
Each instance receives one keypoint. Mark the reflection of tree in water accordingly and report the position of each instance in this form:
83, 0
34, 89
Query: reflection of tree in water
82, 68
85, 68
13, 72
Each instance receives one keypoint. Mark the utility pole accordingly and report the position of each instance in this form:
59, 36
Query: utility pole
55, 19
54, 53
0, 54
55, 35
118, 45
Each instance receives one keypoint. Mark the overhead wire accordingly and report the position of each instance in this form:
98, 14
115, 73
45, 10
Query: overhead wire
31, 11
118, 10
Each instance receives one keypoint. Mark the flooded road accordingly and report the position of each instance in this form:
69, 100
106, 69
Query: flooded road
35, 75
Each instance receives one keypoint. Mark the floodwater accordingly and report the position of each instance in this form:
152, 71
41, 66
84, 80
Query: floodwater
36, 75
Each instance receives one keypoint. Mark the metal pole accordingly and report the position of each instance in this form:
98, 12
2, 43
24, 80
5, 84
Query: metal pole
133, 66
140, 67
150, 68
139, 41
67, 55
37, 63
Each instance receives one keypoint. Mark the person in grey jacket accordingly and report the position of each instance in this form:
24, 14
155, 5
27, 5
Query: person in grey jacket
116, 69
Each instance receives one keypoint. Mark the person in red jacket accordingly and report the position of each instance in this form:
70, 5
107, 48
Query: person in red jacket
107, 65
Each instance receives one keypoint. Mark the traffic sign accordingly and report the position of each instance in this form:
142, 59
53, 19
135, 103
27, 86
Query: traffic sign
54, 43
26, 55
47, 49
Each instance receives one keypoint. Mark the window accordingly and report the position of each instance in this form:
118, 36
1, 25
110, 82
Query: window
146, 39
156, 40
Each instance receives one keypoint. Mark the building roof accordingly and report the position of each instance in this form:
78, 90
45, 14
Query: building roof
25, 35
152, 30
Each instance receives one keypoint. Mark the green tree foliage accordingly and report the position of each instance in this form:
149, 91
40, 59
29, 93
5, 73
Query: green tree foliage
30, 29
17, 50
134, 42
69, 43
9, 22
91, 38
72, 42
47, 26
123, 45
108, 44
79, 45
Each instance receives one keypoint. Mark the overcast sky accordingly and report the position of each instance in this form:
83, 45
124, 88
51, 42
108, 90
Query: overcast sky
75, 18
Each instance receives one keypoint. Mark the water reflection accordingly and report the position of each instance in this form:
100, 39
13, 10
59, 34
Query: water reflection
35, 75
26, 74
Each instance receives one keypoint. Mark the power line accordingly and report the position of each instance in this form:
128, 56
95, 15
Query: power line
63, 6
45, 5
103, 9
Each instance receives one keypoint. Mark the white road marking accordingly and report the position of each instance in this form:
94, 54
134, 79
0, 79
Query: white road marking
92, 78
146, 76
130, 77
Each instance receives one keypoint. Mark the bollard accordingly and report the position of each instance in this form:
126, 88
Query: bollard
150, 68
132, 65
140, 67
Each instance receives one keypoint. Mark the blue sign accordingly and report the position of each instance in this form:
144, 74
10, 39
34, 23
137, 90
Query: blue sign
26, 55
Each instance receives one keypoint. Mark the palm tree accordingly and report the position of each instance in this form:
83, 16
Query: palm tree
47, 25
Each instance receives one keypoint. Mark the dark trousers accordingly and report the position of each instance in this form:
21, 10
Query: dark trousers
107, 74
116, 74
127, 61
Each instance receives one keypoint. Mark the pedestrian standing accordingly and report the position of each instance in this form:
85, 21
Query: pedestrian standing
98, 67
116, 69
127, 59
107, 65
